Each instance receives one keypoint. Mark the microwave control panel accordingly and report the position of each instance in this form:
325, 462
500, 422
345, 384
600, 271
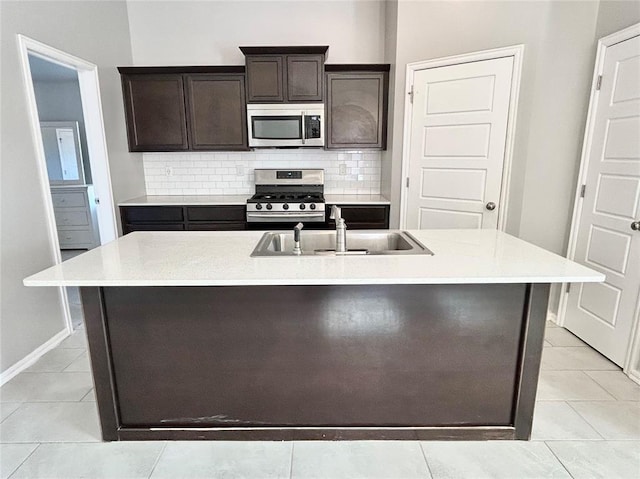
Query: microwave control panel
312, 126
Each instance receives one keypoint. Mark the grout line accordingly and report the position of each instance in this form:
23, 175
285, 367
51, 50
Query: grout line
88, 392
558, 459
25, 459
12, 412
155, 464
293, 443
424, 456
586, 420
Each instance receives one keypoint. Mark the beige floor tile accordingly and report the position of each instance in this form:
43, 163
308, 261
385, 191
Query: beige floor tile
583, 359
492, 459
55, 360
603, 459
612, 419
617, 384
81, 364
12, 455
7, 408
77, 340
359, 459
547, 344
107, 460
30, 387
551, 325
52, 422
562, 337
228, 459
556, 420
569, 386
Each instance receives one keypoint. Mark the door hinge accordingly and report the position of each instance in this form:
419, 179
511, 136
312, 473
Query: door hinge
582, 191
411, 94
568, 288
407, 182
599, 82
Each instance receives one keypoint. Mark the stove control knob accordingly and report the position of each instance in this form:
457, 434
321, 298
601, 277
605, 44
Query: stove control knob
258, 206
269, 206
285, 206
312, 206
302, 206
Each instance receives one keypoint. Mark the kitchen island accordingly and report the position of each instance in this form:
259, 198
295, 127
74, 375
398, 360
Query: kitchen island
192, 338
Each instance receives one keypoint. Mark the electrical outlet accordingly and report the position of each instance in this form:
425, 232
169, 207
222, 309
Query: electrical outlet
168, 171
342, 169
239, 170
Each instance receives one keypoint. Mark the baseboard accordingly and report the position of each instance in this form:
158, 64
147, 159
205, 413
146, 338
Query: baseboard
553, 317
32, 357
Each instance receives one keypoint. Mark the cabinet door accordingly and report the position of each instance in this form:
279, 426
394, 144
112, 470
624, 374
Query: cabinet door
265, 79
357, 110
304, 78
217, 111
360, 217
155, 112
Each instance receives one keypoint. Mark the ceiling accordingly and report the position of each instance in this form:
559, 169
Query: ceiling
43, 70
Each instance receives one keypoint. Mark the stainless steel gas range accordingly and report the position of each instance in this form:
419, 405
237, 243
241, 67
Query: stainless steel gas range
287, 196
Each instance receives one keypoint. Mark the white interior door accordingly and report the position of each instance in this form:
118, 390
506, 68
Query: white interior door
608, 239
457, 144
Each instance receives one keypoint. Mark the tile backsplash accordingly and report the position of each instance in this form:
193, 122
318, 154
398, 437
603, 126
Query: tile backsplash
231, 173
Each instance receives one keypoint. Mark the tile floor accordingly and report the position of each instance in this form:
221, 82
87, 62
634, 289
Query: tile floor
587, 425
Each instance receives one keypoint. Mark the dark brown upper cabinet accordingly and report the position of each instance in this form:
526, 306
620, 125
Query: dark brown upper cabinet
285, 74
155, 112
357, 106
217, 111
185, 108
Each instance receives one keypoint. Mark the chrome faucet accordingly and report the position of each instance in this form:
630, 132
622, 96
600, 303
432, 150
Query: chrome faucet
341, 229
296, 238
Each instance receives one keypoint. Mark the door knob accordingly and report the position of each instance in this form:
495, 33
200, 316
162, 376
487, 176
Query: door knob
635, 226
490, 206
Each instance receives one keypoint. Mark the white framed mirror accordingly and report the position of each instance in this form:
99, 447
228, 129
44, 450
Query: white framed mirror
61, 142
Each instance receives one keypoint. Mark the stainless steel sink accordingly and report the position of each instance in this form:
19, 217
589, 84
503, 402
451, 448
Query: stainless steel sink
370, 242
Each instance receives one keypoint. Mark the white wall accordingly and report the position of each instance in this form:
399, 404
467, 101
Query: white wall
558, 39
614, 15
99, 33
209, 33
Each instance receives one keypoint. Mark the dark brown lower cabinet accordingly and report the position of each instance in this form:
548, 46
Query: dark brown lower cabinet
189, 218
316, 362
233, 217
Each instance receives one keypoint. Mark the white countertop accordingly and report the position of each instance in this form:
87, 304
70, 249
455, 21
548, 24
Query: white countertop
213, 200
177, 258
189, 200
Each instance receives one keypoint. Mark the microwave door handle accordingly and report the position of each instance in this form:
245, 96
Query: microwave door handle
304, 127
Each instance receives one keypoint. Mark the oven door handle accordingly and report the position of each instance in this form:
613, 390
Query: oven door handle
285, 215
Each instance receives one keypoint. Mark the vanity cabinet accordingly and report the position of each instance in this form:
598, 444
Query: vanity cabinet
357, 106
285, 74
76, 221
361, 217
185, 108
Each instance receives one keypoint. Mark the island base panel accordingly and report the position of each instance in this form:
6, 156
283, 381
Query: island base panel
318, 362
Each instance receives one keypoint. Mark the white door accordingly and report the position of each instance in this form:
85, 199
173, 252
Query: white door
457, 144
602, 314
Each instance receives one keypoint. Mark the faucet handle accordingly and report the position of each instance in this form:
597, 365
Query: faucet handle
336, 213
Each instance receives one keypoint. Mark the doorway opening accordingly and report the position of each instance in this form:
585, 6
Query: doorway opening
63, 96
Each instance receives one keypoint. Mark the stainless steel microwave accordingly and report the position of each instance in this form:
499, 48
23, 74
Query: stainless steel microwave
285, 124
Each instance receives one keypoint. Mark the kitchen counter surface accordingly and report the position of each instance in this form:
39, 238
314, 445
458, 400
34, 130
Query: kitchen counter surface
213, 200
178, 258
188, 200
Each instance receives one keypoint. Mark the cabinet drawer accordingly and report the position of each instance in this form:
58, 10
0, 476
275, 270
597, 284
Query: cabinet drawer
235, 213
151, 214
128, 228
75, 237
377, 216
68, 200
72, 216
220, 226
